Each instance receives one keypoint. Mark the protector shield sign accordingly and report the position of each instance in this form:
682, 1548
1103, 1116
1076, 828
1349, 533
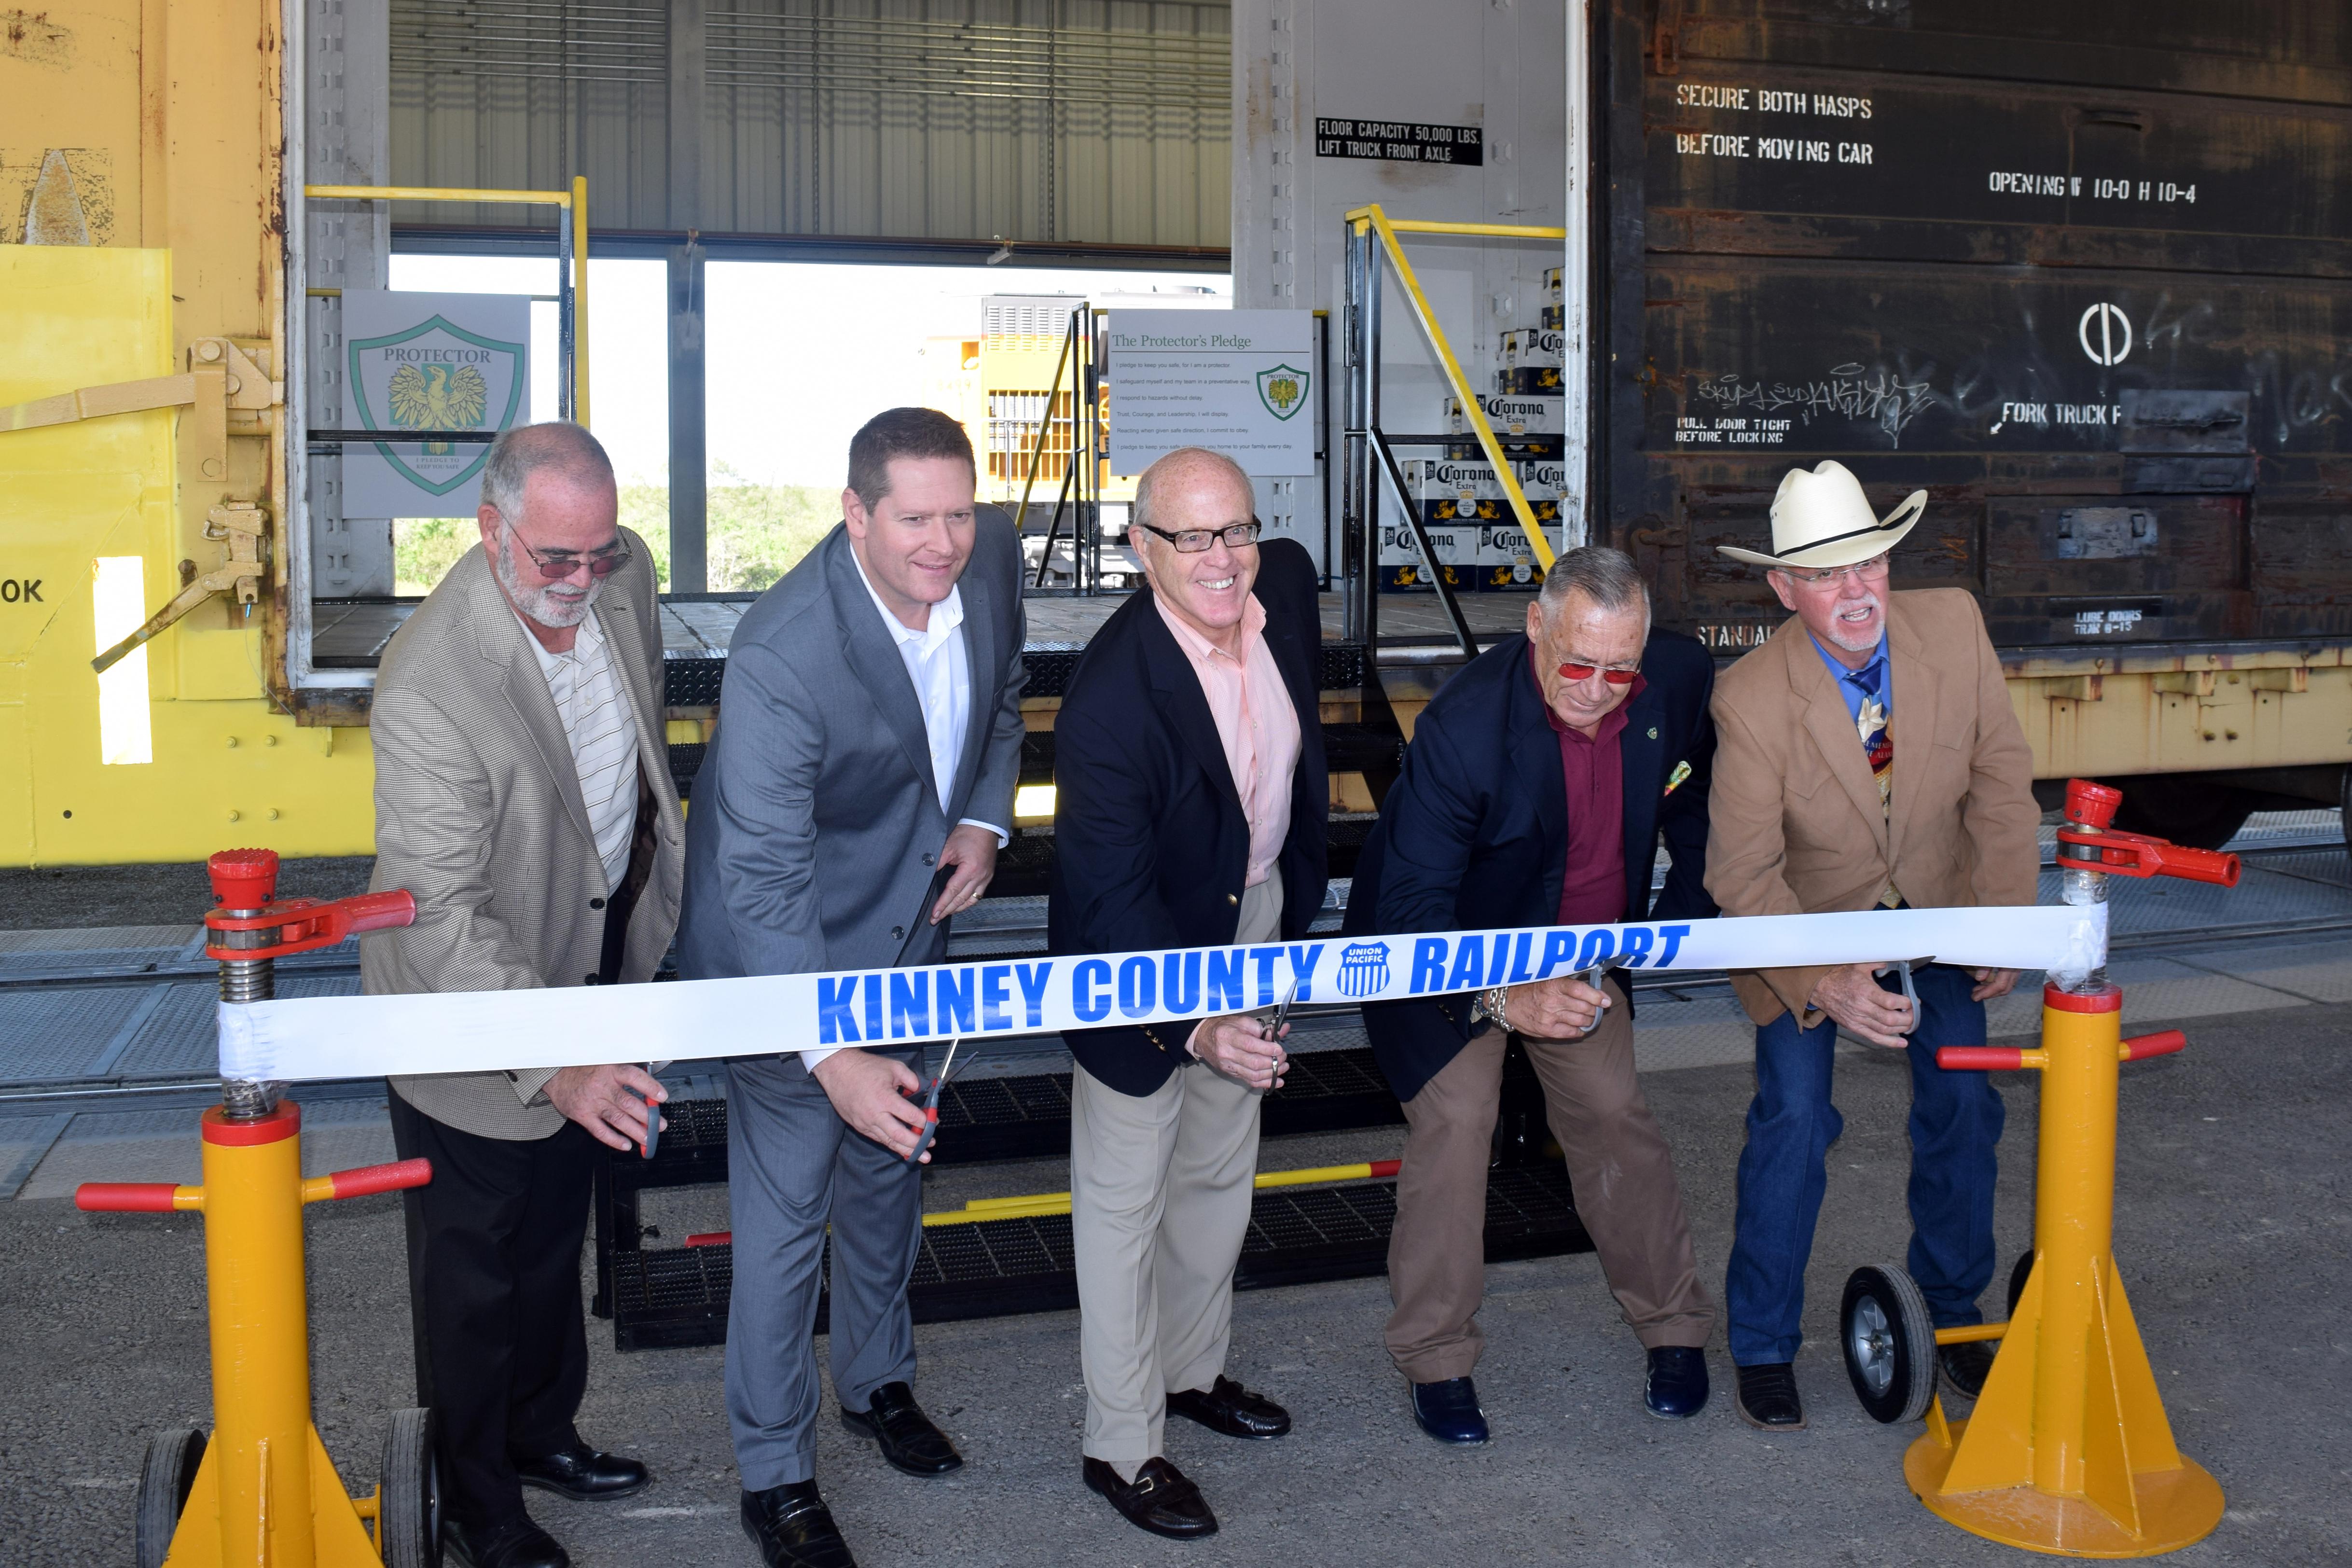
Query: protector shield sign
429, 362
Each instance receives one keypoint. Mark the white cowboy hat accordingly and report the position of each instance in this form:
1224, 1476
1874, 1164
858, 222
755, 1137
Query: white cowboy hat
1821, 518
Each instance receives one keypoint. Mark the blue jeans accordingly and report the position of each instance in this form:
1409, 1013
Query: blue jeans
1956, 1120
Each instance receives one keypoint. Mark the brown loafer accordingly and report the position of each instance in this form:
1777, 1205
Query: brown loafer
1161, 1498
1226, 1406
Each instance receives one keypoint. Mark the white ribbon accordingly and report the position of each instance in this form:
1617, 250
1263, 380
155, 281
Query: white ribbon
473, 1031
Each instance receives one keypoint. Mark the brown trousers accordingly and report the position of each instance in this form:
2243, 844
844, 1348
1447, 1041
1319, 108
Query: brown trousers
1618, 1161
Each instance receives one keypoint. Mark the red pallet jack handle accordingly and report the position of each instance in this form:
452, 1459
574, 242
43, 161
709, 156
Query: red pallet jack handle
2009, 1058
2088, 839
164, 1197
245, 879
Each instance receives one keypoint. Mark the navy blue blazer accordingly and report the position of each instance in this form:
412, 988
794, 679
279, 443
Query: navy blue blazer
1474, 832
1150, 845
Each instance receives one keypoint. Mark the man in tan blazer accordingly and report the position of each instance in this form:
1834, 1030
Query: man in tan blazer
1867, 757
523, 795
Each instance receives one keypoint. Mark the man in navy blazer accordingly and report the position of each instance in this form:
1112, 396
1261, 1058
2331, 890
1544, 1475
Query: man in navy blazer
1192, 811
1535, 793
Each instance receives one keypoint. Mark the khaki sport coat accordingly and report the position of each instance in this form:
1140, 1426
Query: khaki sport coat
478, 814
1795, 822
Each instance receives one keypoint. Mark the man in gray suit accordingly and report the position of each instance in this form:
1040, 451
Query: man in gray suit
523, 793
866, 752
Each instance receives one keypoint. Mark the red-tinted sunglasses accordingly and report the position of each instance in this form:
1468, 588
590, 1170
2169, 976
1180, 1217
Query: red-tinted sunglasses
1584, 673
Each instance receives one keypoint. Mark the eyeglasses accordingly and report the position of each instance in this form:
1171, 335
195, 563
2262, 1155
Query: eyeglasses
555, 565
1574, 672
1194, 540
1870, 570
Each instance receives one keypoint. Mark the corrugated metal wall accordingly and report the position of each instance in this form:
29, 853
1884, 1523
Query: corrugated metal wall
1085, 121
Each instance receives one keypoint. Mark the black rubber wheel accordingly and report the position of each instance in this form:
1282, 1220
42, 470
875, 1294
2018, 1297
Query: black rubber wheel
1889, 1344
2017, 1278
164, 1482
2182, 808
408, 1522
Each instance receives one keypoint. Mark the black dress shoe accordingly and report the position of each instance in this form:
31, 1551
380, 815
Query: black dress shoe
793, 1528
1967, 1365
1226, 1406
584, 1473
1676, 1387
1161, 1498
518, 1543
908, 1438
1767, 1398
1448, 1410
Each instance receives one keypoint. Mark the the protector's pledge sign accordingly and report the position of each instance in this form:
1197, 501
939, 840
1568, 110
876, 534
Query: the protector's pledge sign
429, 363
1237, 381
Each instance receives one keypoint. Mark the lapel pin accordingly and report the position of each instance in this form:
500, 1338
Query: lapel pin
1654, 731
1675, 779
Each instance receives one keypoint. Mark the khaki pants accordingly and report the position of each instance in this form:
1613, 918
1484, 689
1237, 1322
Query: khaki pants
1618, 1161
1161, 1187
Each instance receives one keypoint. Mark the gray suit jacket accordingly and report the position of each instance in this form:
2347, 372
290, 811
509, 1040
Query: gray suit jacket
478, 813
816, 822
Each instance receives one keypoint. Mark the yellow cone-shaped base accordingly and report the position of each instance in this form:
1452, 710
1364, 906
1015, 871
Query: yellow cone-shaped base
2176, 1507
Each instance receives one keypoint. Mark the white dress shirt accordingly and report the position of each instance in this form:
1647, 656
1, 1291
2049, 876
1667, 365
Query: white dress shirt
941, 672
604, 737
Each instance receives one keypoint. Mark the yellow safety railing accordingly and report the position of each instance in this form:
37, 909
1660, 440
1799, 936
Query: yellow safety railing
1373, 218
1030, 1204
574, 203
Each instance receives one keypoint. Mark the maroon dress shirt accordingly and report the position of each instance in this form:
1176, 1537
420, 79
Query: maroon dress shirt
1592, 890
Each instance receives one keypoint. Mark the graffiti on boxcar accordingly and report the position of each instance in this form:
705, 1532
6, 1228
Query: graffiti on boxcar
1851, 391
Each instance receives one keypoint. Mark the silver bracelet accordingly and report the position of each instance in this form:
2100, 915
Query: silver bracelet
1496, 1001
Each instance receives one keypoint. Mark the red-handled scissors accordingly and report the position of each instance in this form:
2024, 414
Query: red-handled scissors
932, 1104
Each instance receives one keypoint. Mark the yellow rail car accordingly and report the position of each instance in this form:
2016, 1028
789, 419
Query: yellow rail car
144, 331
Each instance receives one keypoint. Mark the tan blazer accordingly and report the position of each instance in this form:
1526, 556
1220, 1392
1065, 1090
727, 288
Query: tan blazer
478, 813
1794, 823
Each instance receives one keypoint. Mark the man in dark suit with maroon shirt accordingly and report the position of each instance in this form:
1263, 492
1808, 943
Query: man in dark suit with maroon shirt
1534, 794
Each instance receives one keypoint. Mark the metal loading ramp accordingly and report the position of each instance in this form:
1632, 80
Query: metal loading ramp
996, 1267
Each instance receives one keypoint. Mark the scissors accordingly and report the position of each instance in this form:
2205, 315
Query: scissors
1273, 1026
932, 1104
1902, 967
652, 1126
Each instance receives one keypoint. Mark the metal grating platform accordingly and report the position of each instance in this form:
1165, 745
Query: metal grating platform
989, 1268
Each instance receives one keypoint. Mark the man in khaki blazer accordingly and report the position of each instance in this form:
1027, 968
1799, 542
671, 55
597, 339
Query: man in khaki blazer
1867, 756
523, 795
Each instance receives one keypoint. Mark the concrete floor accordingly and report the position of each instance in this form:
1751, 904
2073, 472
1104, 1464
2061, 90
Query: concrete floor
2234, 1219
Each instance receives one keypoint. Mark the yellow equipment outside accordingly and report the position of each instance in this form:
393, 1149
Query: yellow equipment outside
2068, 1450
262, 1493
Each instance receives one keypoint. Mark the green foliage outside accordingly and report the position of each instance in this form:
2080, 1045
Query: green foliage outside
757, 533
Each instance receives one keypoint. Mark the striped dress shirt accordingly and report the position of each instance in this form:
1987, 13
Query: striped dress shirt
603, 736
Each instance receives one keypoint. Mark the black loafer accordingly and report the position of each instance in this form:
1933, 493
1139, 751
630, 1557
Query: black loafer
1161, 1498
1676, 1387
518, 1543
906, 1434
793, 1528
1448, 1410
1767, 1398
584, 1473
1226, 1406
1967, 1365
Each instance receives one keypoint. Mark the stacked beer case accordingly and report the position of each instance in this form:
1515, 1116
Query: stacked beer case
1480, 545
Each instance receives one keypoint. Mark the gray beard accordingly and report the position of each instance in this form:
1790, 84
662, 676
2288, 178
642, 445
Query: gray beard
1858, 647
537, 602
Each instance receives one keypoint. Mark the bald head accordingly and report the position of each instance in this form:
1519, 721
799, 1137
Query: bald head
558, 447
1187, 469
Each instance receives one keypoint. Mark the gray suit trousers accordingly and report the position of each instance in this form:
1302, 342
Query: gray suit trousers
792, 1165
